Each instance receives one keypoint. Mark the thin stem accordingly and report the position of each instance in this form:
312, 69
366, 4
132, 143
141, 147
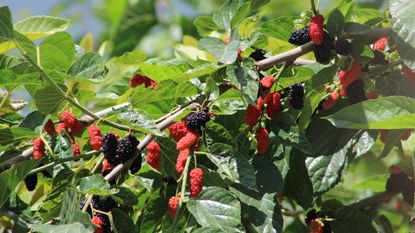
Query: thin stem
5, 98
313, 7
183, 190
95, 168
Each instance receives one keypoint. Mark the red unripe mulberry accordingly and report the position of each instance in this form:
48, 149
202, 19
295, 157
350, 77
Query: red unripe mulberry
94, 130
187, 141
394, 170
68, 118
316, 29
267, 81
138, 79
60, 127
331, 100
181, 160
106, 166
95, 142
172, 206
78, 127
252, 115
343, 92
38, 148
349, 76
50, 128
262, 137
383, 135
76, 150
178, 130
196, 181
316, 226
273, 101
409, 74
153, 154
380, 44
97, 221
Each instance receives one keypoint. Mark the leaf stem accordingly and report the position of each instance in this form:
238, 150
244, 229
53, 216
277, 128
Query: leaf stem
5, 98
313, 7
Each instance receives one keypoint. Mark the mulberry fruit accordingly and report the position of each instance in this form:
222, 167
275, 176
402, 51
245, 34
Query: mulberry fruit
258, 54
38, 148
109, 148
262, 137
97, 221
68, 119
311, 215
322, 52
331, 100
380, 44
94, 130
196, 181
153, 154
136, 165
78, 127
267, 81
106, 166
140, 80
383, 135
343, 47
31, 182
169, 180
60, 127
396, 182
195, 120
105, 226
405, 135
372, 95
355, 92
343, 92
300, 36
95, 137
50, 128
181, 160
172, 206
409, 74
187, 141
379, 59
349, 76
126, 148
317, 29
76, 150
296, 96
178, 130
316, 226
252, 115
273, 101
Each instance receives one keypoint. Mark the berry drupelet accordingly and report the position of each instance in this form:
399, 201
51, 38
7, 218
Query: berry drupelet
296, 96
300, 36
109, 148
126, 148
195, 120
322, 52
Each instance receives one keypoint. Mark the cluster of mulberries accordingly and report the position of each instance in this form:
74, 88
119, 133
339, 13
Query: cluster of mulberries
196, 120
189, 140
136, 165
38, 148
196, 181
173, 205
95, 137
258, 54
109, 147
178, 130
349, 76
253, 112
316, 222
139, 79
384, 135
300, 36
273, 102
153, 154
296, 96
100, 219
31, 182
126, 149
322, 51
262, 137
400, 182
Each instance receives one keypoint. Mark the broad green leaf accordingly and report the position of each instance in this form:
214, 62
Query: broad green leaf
216, 207
395, 83
224, 53
215, 230
34, 121
232, 164
67, 228
123, 222
298, 75
229, 14
218, 133
268, 218
361, 52
6, 26
15, 134
350, 220
95, 185
241, 76
125, 196
393, 112
140, 120
335, 23
205, 25
70, 212
393, 138
89, 66
11, 178
404, 26
152, 213
268, 177
279, 28
57, 51
10, 78
37, 27
47, 99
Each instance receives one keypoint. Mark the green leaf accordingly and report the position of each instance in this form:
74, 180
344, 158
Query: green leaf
123, 222
37, 27
395, 83
125, 196
15, 134
34, 121
268, 217
10, 78
279, 28
89, 66
11, 178
140, 120
230, 14
95, 185
57, 51
216, 207
232, 164
205, 25
6, 26
297, 75
70, 212
404, 26
47, 99
350, 220
241, 76
218, 133
335, 23
393, 138
393, 112
268, 177
224, 53
153, 213
67, 228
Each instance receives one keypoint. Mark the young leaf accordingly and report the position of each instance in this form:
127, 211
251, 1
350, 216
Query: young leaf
335, 23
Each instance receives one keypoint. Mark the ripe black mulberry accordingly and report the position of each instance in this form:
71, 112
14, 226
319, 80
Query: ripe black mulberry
258, 54
355, 92
343, 47
31, 182
195, 120
296, 96
109, 148
300, 36
126, 148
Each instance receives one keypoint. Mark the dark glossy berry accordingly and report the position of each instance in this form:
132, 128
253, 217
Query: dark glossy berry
379, 58
109, 147
408, 191
356, 92
300, 36
327, 227
296, 96
169, 180
311, 215
126, 148
136, 165
195, 120
343, 47
31, 182
258, 54
396, 182
322, 52
81, 207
